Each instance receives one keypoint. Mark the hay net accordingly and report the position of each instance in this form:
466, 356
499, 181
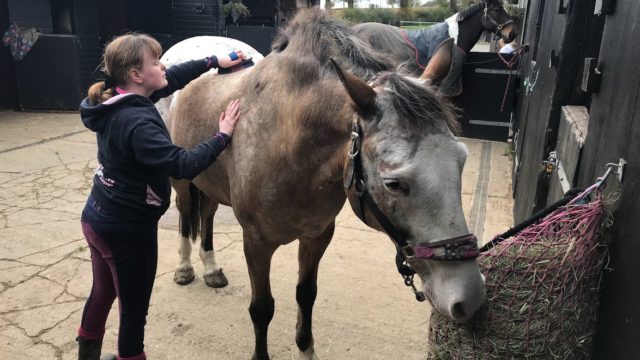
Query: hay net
542, 292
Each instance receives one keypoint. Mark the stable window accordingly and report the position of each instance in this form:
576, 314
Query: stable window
61, 16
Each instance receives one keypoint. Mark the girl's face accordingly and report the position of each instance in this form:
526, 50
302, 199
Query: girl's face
152, 73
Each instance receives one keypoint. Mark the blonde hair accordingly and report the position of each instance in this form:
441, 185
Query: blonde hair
122, 54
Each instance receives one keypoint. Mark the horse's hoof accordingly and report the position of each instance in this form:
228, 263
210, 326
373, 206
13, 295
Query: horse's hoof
309, 354
256, 357
184, 276
216, 279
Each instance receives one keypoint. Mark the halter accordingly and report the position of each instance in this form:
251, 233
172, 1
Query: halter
457, 248
489, 20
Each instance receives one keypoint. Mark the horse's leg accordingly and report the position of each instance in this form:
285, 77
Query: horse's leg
187, 205
310, 252
213, 275
258, 255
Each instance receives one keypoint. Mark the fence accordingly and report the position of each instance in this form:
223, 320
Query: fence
415, 24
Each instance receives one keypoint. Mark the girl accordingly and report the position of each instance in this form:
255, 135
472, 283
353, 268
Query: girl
131, 188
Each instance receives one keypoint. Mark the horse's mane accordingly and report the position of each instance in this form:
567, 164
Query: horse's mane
416, 104
313, 32
469, 11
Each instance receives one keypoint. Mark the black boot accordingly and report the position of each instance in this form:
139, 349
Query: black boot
90, 350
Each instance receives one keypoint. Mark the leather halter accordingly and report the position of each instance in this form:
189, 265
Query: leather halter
457, 248
489, 20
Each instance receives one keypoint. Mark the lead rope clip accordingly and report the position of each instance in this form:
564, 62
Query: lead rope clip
408, 281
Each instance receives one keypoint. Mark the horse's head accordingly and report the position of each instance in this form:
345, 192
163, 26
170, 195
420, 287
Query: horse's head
404, 178
497, 20
493, 18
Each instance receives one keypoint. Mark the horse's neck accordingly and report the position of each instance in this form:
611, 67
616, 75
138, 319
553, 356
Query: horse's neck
467, 32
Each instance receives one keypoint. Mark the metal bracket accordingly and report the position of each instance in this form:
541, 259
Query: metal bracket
565, 183
529, 83
612, 168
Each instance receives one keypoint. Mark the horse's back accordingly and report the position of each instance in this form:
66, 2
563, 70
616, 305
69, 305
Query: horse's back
387, 39
380, 36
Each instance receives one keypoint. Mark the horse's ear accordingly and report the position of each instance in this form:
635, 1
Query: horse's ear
440, 63
361, 93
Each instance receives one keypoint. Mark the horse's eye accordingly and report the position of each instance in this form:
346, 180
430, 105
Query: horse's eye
395, 185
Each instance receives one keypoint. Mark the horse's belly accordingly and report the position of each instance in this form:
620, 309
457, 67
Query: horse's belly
283, 218
214, 181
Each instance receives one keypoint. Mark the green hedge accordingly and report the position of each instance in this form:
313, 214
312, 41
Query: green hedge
392, 16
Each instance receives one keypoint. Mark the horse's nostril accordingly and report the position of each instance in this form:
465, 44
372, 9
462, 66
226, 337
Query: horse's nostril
458, 312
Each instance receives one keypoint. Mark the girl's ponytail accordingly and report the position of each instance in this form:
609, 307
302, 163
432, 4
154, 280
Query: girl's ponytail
98, 94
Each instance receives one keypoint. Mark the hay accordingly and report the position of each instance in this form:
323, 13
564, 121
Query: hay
542, 293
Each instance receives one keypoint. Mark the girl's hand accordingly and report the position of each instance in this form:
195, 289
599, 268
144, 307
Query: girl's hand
229, 117
227, 62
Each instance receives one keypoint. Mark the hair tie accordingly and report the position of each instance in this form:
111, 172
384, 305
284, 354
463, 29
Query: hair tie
109, 83
100, 75
233, 56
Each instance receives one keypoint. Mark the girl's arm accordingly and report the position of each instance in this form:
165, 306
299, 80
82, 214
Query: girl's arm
179, 75
152, 147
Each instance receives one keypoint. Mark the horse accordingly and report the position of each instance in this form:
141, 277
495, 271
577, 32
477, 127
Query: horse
313, 135
413, 49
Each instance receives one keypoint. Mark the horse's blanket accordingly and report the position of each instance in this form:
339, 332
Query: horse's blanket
426, 41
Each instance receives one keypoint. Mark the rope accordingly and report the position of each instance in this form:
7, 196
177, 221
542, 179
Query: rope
509, 64
570, 196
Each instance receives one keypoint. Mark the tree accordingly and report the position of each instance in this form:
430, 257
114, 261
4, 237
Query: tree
453, 6
237, 9
392, 3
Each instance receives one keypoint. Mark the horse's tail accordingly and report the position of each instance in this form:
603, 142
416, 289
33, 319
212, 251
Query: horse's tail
191, 225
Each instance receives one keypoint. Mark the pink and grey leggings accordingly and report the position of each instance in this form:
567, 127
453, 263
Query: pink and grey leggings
124, 260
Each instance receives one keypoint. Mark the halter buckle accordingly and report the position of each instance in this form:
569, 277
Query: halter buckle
408, 252
354, 151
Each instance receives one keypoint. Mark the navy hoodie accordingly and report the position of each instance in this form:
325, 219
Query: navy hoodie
135, 154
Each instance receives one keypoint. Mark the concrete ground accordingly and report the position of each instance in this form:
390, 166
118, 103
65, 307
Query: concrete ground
363, 310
